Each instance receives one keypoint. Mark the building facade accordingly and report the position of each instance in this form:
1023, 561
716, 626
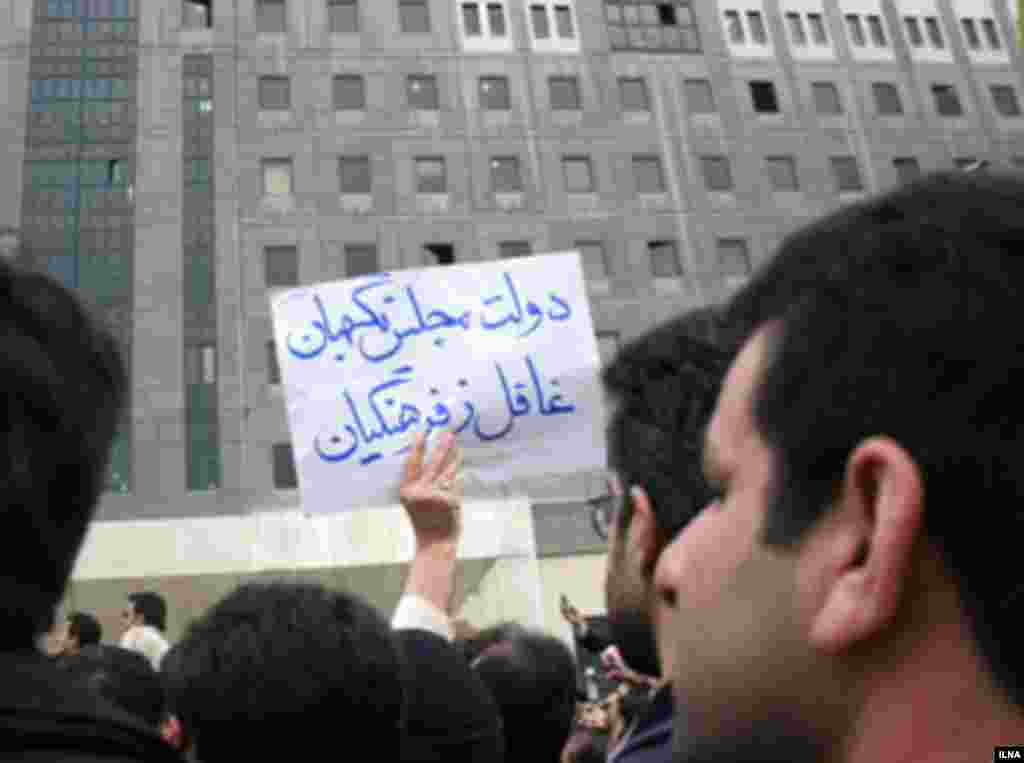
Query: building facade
175, 161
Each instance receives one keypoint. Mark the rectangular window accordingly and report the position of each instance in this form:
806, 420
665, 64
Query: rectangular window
763, 96
440, 254
275, 93
758, 33
285, 475
826, 98
539, 19
971, 34
846, 174
648, 175
277, 177
343, 16
934, 32
200, 364
664, 256
355, 174
349, 92
494, 94
818, 32
856, 30
281, 266
717, 173
914, 31
579, 177
564, 93
496, 19
431, 175
734, 27
887, 99
361, 260
907, 169
796, 29
414, 16
1005, 99
947, 102
781, 172
652, 25
988, 26
421, 92
273, 367
700, 98
471, 19
595, 263
733, 259
271, 16
877, 31
505, 174
508, 250
197, 14
563, 22
633, 94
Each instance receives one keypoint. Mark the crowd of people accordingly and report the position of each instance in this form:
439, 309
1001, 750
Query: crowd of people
811, 514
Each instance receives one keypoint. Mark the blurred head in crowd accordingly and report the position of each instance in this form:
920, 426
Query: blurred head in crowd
62, 399
662, 388
474, 645
851, 591
532, 677
122, 677
80, 630
276, 666
146, 608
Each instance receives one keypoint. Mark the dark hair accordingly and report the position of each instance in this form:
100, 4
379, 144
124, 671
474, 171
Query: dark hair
276, 665
122, 677
895, 317
664, 386
532, 677
152, 607
471, 648
65, 386
85, 628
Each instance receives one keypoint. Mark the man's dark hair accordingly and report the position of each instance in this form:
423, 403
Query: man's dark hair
85, 628
122, 677
664, 386
152, 607
532, 677
895, 317
65, 387
276, 665
471, 648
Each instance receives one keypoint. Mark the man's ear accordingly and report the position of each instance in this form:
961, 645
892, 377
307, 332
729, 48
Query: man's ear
861, 556
643, 529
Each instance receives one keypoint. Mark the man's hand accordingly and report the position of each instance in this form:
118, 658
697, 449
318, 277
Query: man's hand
570, 613
432, 493
611, 660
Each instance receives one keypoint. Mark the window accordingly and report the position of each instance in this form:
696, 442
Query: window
563, 22
579, 177
197, 172
414, 16
277, 177
734, 27
796, 29
757, 31
281, 266
914, 31
699, 97
664, 255
343, 16
441, 254
505, 174
349, 92
877, 31
539, 19
652, 25
421, 92
275, 93
647, 174
717, 173
1005, 99
934, 32
781, 172
907, 169
633, 94
607, 346
494, 94
431, 175
355, 174
817, 24
197, 14
471, 19
856, 30
271, 16
988, 26
826, 98
595, 263
947, 102
887, 99
733, 259
763, 96
361, 259
971, 34
1017, 162
564, 93
496, 19
273, 367
846, 173
508, 250
285, 476
200, 364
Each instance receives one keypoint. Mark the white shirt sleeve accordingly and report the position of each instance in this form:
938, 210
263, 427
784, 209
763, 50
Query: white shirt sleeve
416, 613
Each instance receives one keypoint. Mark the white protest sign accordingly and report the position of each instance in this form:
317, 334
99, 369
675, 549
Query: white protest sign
501, 353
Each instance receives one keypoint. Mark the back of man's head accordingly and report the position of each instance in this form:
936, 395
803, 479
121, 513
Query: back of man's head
532, 677
152, 607
64, 389
897, 317
85, 628
274, 669
124, 678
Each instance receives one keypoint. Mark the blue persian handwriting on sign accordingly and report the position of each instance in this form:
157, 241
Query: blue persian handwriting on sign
503, 354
